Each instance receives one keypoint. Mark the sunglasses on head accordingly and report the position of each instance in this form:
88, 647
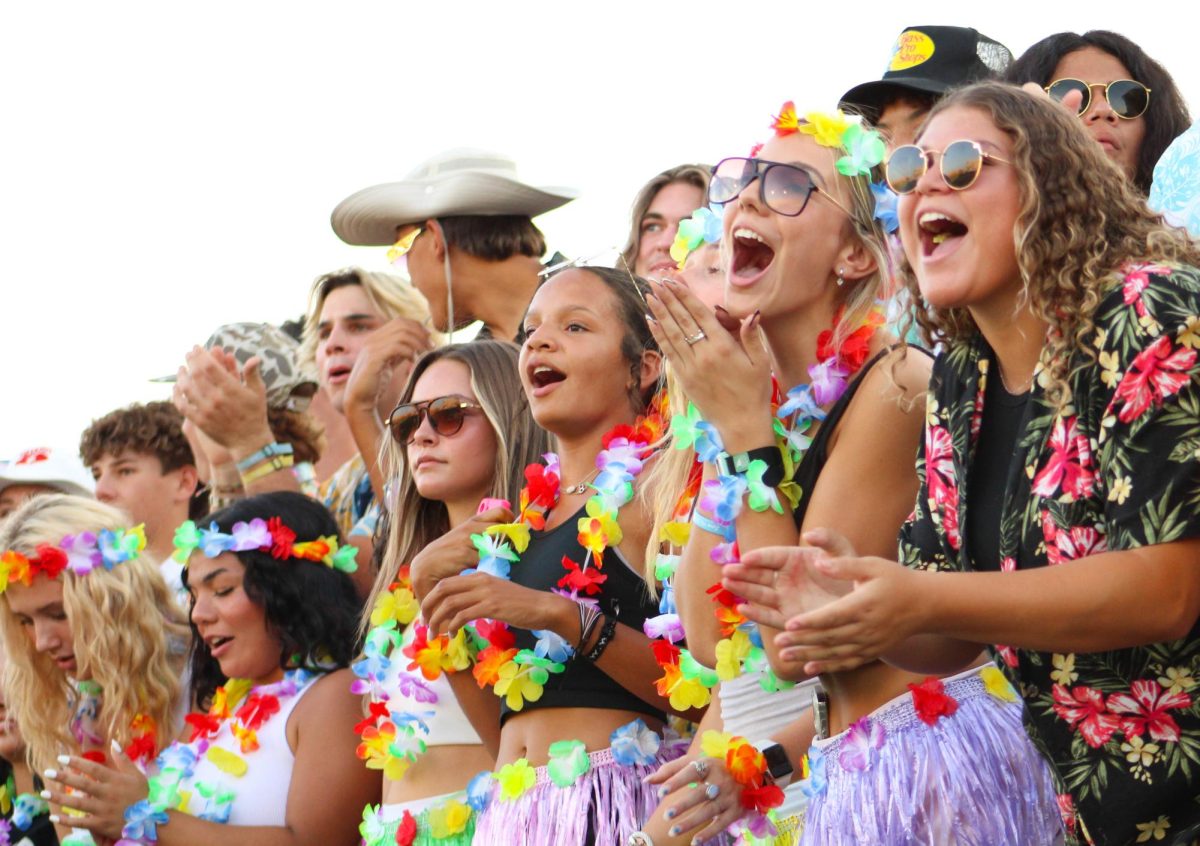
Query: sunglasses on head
446, 416
783, 188
960, 164
1127, 98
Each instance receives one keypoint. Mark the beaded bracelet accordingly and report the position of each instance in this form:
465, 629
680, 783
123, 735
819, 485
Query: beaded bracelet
271, 450
606, 636
268, 467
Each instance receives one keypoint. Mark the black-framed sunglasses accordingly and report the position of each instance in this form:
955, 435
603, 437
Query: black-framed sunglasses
784, 188
1128, 98
446, 416
960, 164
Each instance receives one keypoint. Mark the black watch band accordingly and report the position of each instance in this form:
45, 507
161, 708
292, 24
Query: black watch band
729, 465
779, 766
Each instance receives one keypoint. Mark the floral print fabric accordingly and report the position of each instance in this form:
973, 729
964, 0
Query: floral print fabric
1118, 467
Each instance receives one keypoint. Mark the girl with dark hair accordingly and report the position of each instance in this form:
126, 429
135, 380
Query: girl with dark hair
1056, 520
1126, 100
461, 434
272, 759
555, 598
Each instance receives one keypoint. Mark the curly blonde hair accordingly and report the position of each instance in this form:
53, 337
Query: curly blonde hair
1079, 221
129, 635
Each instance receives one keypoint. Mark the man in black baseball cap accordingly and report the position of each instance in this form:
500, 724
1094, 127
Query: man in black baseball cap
926, 63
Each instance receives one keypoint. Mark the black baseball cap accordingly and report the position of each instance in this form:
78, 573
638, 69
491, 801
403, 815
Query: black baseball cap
931, 60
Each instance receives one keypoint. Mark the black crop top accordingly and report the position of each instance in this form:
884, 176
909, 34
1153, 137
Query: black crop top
817, 454
623, 595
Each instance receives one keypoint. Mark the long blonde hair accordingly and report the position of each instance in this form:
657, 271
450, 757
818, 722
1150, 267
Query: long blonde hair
1080, 220
123, 622
415, 521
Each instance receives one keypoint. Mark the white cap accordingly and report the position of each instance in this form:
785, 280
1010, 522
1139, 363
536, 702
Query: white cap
54, 468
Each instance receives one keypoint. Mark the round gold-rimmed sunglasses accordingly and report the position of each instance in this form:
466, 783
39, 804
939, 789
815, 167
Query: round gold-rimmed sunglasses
960, 164
1128, 98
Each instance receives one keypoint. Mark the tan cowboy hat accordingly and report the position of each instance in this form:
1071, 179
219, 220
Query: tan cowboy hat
457, 182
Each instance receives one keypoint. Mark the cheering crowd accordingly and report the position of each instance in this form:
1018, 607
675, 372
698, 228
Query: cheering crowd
855, 501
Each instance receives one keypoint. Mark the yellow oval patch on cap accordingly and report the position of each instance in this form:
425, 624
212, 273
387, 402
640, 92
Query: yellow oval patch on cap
912, 48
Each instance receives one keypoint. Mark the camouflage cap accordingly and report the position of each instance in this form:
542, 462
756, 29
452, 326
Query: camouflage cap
290, 383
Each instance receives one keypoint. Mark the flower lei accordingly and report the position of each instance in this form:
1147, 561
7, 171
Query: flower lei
81, 554
748, 768
245, 709
267, 535
864, 150
703, 227
685, 681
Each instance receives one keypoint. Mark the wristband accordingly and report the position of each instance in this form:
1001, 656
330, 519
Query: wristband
271, 450
739, 463
606, 636
589, 615
713, 527
268, 467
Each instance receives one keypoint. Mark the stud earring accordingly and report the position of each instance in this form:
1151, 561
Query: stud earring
841, 275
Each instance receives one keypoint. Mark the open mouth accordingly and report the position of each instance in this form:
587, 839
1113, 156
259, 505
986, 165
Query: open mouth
938, 229
543, 375
337, 374
216, 642
751, 255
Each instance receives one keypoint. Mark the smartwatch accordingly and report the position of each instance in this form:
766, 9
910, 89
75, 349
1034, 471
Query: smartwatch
779, 766
728, 465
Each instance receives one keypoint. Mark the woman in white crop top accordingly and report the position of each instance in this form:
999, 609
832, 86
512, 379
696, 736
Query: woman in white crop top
461, 434
271, 762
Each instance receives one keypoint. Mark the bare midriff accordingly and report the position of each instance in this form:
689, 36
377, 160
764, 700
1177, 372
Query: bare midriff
530, 734
441, 770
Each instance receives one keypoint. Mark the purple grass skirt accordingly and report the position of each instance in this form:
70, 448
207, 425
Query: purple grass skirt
972, 778
607, 804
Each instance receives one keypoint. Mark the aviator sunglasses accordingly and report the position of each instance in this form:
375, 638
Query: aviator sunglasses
784, 188
446, 416
960, 164
1127, 98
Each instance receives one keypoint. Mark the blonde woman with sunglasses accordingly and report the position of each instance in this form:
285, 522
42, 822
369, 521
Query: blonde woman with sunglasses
833, 448
1058, 432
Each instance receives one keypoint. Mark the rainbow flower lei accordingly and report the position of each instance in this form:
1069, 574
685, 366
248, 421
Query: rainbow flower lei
81, 554
685, 681
266, 535
703, 227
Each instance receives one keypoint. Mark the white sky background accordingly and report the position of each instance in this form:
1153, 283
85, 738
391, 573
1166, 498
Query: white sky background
169, 167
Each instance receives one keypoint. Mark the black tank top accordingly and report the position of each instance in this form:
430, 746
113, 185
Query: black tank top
623, 595
814, 459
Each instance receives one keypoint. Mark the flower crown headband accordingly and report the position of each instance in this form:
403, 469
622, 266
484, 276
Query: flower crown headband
864, 150
262, 535
79, 553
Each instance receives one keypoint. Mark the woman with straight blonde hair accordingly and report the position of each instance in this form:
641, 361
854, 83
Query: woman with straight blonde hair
461, 435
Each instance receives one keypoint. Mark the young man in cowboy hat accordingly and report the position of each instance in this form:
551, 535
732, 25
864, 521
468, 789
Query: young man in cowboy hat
463, 221
926, 63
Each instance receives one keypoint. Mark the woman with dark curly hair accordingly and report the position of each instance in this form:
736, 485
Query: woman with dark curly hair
272, 760
1061, 430
1127, 101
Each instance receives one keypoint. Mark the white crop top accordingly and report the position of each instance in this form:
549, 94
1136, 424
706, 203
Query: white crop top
432, 702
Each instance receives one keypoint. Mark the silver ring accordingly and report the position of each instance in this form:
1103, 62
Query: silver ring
712, 791
701, 768
693, 339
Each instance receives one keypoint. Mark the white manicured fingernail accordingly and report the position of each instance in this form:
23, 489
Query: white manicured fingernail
64, 759
54, 818
45, 794
51, 773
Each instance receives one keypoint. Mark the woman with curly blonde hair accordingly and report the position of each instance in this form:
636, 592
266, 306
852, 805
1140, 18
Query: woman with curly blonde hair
1035, 264
95, 642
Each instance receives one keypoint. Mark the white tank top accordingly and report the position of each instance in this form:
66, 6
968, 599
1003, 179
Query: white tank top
259, 795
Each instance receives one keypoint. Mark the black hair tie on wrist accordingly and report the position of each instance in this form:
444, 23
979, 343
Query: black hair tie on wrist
606, 636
